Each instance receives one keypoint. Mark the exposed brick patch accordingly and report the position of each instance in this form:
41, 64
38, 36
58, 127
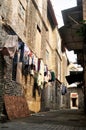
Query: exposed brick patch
16, 106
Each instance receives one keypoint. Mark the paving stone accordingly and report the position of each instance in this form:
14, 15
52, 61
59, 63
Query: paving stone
34, 123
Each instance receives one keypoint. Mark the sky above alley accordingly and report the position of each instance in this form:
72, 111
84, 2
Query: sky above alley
58, 6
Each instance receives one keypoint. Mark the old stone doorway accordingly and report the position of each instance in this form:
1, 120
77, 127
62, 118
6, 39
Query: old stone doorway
74, 100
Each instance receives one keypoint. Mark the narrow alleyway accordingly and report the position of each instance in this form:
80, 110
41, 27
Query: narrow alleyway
53, 120
34, 66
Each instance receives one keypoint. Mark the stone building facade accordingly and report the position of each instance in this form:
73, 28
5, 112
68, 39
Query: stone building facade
30, 28
75, 41
75, 98
84, 50
75, 94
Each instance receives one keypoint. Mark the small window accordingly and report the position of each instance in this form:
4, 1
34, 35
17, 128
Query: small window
38, 28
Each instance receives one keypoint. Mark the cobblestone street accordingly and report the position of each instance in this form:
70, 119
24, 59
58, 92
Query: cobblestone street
53, 120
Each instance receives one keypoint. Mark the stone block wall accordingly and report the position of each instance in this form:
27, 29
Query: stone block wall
5, 11
7, 85
31, 94
1, 82
36, 31
80, 93
13, 88
32, 30
43, 44
84, 10
32, 26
